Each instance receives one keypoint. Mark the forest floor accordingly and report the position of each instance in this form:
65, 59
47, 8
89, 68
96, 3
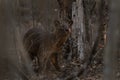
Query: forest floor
95, 70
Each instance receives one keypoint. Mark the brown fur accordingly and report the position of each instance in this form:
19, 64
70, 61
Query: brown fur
43, 45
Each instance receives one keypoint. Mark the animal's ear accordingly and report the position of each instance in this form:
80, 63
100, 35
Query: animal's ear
57, 23
70, 22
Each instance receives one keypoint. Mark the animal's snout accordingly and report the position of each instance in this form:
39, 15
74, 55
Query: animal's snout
68, 29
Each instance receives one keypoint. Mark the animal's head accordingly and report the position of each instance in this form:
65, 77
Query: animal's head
63, 27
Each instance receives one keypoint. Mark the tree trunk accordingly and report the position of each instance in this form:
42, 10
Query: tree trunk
78, 27
112, 52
